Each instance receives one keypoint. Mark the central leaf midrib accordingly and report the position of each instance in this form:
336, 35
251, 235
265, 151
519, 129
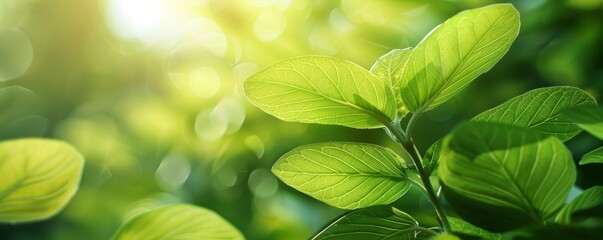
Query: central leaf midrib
340, 102
352, 174
461, 62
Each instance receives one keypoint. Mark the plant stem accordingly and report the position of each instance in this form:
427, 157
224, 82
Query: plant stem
410, 148
408, 145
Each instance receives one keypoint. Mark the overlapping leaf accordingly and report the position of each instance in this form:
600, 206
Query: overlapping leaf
325, 90
455, 53
504, 173
541, 110
458, 225
592, 197
181, 221
594, 156
373, 223
389, 67
38, 177
589, 118
345, 175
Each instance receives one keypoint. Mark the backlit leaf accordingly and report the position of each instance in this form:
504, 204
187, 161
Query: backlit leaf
180, 221
541, 109
38, 177
345, 175
504, 174
389, 67
592, 197
455, 53
372, 223
325, 90
461, 226
589, 118
594, 156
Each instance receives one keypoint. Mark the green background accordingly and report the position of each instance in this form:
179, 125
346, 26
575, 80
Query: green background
150, 92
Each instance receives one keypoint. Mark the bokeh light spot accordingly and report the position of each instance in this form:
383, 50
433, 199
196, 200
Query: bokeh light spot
269, 26
210, 127
173, 172
262, 183
256, 144
208, 34
16, 53
204, 82
135, 19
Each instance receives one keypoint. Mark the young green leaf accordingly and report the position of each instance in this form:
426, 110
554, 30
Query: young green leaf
509, 175
389, 67
541, 110
461, 226
325, 90
345, 175
455, 53
592, 197
589, 118
594, 156
432, 157
374, 223
39, 177
180, 221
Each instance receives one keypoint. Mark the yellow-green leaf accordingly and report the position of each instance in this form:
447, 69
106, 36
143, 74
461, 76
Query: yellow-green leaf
455, 53
38, 177
345, 175
324, 90
180, 221
389, 67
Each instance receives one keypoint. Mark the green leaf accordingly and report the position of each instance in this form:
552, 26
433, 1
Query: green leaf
455, 53
589, 118
180, 221
389, 67
541, 110
345, 175
325, 90
432, 157
373, 223
39, 177
506, 175
594, 156
445, 236
461, 226
592, 197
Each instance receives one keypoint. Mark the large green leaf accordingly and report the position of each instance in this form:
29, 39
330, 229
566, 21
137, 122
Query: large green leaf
504, 174
589, 118
373, 223
389, 67
180, 221
541, 109
320, 89
592, 197
594, 156
38, 177
458, 225
455, 53
345, 175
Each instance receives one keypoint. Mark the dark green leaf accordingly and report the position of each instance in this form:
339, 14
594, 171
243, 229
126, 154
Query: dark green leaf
589, 118
510, 175
594, 156
592, 197
461, 226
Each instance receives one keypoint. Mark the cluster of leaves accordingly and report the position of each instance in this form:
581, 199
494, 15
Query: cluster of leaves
506, 170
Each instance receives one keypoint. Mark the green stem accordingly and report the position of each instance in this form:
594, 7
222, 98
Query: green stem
407, 143
410, 148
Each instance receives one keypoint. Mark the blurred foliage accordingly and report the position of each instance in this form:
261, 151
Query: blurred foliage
150, 92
